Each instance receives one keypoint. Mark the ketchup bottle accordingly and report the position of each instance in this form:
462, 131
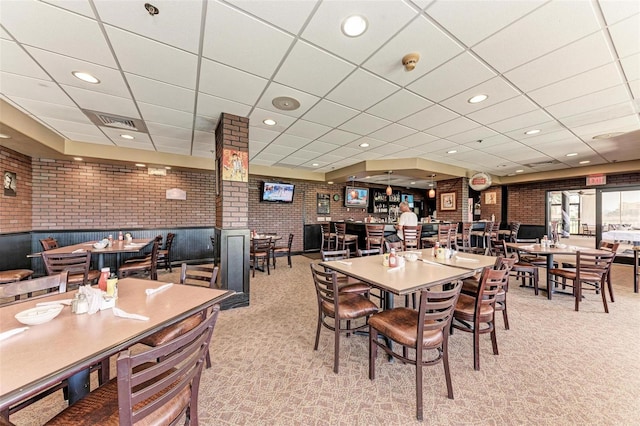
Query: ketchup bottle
393, 261
104, 276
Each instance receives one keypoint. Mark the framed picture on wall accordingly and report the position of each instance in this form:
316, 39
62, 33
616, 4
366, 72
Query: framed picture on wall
323, 203
10, 184
448, 201
235, 165
490, 198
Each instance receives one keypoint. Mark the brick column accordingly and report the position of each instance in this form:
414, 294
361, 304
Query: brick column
231, 251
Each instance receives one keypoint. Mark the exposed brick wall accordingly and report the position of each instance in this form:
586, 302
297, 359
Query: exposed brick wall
455, 186
489, 209
86, 195
15, 212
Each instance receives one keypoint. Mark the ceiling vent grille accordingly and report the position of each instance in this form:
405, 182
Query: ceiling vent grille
116, 121
543, 163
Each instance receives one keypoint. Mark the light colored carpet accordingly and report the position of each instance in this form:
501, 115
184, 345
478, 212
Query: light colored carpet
556, 366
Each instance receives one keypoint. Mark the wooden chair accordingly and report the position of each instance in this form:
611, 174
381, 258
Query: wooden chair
76, 264
397, 245
591, 269
164, 255
282, 250
426, 329
604, 245
143, 266
463, 240
145, 256
476, 315
380, 295
514, 228
260, 252
374, 236
411, 237
157, 386
586, 230
443, 237
49, 243
189, 275
345, 284
328, 237
13, 275
344, 240
522, 270
339, 308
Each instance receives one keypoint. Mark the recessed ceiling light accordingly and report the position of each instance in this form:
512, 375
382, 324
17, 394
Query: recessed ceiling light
315, 164
354, 26
85, 76
367, 177
3, 136
77, 158
269, 122
572, 154
453, 151
477, 99
330, 182
413, 183
585, 162
364, 145
532, 132
125, 136
141, 165
519, 171
608, 135
167, 167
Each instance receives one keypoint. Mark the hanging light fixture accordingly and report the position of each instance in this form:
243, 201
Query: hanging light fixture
432, 189
389, 189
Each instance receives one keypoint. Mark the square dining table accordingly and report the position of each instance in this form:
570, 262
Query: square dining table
45, 354
117, 247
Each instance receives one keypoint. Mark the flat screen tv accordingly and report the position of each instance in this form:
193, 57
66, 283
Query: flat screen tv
409, 199
356, 197
277, 192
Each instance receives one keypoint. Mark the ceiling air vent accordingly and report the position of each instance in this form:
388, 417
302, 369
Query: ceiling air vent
542, 163
116, 121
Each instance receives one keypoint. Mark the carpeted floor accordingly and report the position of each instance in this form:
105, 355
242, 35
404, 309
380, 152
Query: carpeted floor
556, 366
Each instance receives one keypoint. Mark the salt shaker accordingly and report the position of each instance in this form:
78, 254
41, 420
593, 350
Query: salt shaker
80, 304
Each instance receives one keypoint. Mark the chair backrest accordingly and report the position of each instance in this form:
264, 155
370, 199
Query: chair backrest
444, 234
341, 229
436, 309
411, 235
168, 387
169, 241
334, 255
398, 245
73, 263
593, 263
325, 281
202, 273
290, 242
369, 252
506, 263
515, 228
606, 245
261, 246
491, 282
50, 283
375, 236
49, 243
466, 234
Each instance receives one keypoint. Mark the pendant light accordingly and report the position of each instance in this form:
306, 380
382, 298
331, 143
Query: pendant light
389, 189
432, 190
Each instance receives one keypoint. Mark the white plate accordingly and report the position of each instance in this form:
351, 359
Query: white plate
39, 315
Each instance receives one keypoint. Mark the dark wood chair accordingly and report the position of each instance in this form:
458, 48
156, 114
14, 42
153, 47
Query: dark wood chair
145, 266
522, 270
426, 329
189, 275
76, 264
397, 245
345, 284
157, 386
49, 243
591, 269
282, 250
13, 275
338, 308
463, 240
476, 314
328, 237
374, 236
586, 230
164, 255
411, 237
260, 252
344, 241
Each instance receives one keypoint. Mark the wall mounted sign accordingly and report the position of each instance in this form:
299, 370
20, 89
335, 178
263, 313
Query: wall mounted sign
176, 194
480, 181
596, 180
156, 172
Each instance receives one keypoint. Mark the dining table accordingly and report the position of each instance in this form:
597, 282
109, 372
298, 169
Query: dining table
43, 355
117, 247
631, 235
548, 251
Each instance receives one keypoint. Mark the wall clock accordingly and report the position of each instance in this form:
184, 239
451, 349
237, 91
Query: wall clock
336, 197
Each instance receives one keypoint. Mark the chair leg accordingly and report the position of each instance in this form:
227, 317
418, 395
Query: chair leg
494, 340
336, 346
505, 317
315, 347
419, 409
476, 346
208, 359
610, 287
604, 298
289, 259
535, 281
578, 293
373, 352
445, 363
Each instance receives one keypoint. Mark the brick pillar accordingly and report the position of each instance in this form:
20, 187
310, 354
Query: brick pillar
232, 208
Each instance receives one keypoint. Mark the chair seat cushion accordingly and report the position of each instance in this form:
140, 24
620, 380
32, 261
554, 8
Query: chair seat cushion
466, 305
171, 332
14, 275
100, 407
352, 306
353, 287
571, 274
401, 325
79, 278
134, 266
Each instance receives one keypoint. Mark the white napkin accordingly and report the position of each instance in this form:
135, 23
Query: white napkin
9, 333
94, 297
467, 259
80, 250
122, 314
431, 263
151, 291
344, 263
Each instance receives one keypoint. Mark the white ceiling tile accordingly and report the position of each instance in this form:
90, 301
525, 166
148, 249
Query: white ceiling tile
389, 150
258, 115
211, 106
292, 161
243, 42
592, 101
330, 113
490, 141
14, 60
616, 10
581, 84
385, 18
319, 147
204, 139
635, 88
416, 140
66, 126
440, 145
339, 137
49, 110
307, 129
621, 124
497, 89
547, 28
549, 132
364, 124
373, 143
290, 141
481, 18
162, 94
522, 121
92, 138
230, 83
139, 55
255, 147
420, 36
102, 102
312, 70
177, 24
275, 90
50, 28
452, 127
626, 36
79, 6
503, 110
392, 132
205, 124
271, 11
138, 137
476, 134
399, 105
631, 67
274, 150
262, 135
429, 117
171, 117
164, 130
580, 56
13, 85
459, 74
361, 90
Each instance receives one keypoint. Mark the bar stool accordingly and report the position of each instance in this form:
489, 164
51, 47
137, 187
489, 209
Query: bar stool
344, 240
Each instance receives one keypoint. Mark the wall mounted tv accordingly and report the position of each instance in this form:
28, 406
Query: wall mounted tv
356, 197
277, 192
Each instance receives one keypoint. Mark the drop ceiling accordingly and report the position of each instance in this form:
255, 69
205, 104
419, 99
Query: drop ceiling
570, 69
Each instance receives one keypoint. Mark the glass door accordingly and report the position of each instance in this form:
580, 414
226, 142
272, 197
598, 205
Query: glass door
618, 216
